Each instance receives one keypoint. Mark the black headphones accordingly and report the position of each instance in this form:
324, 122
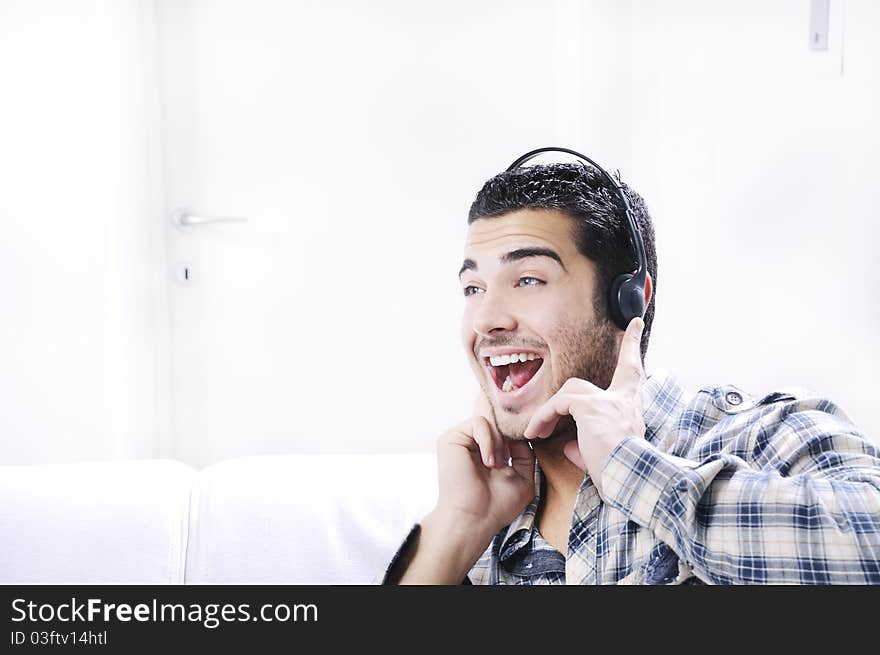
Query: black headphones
628, 290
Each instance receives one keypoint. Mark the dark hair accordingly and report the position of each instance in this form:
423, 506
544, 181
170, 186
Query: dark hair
602, 234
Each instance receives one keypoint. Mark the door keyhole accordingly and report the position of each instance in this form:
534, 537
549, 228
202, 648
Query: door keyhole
185, 274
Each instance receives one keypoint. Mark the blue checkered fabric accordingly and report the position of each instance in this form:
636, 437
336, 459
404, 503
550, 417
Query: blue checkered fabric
724, 488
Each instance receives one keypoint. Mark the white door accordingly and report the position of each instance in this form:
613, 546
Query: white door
352, 136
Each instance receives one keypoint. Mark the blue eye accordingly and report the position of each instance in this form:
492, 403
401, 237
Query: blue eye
530, 281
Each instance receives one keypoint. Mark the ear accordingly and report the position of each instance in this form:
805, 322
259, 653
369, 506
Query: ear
649, 289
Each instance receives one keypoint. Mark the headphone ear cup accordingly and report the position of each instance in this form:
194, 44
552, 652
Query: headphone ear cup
627, 300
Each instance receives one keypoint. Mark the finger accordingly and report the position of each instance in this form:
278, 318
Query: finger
573, 452
482, 435
497, 447
505, 451
483, 408
578, 385
629, 372
522, 459
544, 420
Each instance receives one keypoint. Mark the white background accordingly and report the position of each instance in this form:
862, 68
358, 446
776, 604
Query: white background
354, 136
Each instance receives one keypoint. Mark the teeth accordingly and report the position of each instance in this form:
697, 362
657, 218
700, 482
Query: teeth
502, 360
507, 386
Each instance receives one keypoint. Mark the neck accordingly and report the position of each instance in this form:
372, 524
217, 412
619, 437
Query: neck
563, 479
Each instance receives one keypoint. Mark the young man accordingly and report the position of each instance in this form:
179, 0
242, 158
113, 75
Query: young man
578, 468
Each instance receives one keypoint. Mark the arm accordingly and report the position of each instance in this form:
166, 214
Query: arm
809, 513
439, 551
484, 483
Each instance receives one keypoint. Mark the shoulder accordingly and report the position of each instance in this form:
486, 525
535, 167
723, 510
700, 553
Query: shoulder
731, 399
763, 428
786, 424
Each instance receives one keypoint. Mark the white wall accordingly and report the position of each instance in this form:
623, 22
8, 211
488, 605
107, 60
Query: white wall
81, 374
772, 234
758, 159
726, 100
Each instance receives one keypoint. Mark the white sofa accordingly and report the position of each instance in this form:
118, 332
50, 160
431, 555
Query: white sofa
292, 519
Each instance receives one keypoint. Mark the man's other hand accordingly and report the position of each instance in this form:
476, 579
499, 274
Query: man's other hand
604, 417
484, 480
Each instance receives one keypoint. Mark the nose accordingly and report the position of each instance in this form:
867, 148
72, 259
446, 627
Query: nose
493, 316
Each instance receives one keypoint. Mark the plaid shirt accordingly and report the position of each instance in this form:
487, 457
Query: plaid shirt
724, 488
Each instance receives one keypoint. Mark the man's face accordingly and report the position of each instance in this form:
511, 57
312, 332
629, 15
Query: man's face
529, 292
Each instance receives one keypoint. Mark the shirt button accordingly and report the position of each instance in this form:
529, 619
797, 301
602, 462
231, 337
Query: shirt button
733, 398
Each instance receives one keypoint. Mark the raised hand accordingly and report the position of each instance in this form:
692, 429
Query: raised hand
479, 493
475, 478
604, 417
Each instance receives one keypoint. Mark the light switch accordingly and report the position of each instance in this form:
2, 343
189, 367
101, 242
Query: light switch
819, 10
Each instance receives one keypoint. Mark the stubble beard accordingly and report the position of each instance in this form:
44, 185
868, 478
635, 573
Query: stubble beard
588, 353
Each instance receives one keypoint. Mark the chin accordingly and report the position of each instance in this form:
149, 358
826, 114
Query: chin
511, 426
512, 435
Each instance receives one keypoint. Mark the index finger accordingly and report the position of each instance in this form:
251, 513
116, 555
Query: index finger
629, 371
482, 407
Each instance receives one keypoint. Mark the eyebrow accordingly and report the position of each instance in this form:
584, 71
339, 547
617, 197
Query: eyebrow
516, 255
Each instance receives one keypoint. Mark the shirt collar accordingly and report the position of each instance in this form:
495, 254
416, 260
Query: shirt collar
662, 397
519, 533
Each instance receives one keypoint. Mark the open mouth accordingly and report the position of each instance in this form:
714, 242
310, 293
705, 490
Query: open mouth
513, 371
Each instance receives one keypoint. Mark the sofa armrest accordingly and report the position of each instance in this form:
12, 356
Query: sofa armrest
105, 522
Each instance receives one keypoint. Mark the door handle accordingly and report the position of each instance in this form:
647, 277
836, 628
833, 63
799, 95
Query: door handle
183, 219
